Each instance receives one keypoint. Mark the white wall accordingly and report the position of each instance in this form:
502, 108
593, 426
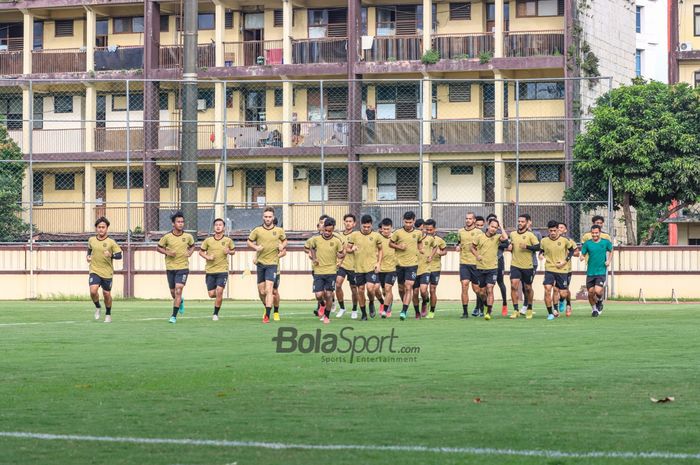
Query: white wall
653, 39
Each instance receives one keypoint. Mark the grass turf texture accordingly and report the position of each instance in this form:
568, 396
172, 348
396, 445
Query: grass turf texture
573, 385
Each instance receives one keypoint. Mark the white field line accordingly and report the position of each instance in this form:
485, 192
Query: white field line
359, 447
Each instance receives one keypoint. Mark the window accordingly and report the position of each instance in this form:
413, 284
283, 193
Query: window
525, 8
397, 184
38, 35
163, 100
279, 174
397, 101
328, 23
336, 185
119, 179
461, 170
638, 62
207, 95
460, 92
638, 19
400, 20
206, 178
693, 241
279, 98
164, 179
11, 112
696, 19
38, 188
38, 114
460, 11
135, 102
541, 90
164, 23
127, 25
335, 103
542, 173
278, 18
205, 21
697, 78
63, 104
228, 19
64, 181
64, 28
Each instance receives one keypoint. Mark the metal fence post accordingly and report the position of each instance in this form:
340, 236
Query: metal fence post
128, 192
421, 96
225, 155
323, 143
32, 294
517, 150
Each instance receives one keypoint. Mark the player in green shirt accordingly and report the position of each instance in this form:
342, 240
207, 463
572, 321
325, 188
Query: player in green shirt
405, 241
599, 253
101, 251
325, 251
216, 250
485, 249
177, 246
557, 251
366, 247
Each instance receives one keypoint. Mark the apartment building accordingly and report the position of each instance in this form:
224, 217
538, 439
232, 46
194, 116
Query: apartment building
651, 29
284, 84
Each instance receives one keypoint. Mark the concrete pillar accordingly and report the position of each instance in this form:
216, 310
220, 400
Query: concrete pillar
220, 175
287, 103
90, 116
91, 35
287, 190
90, 195
287, 17
498, 29
219, 27
219, 114
427, 109
427, 187
499, 182
28, 42
27, 102
427, 24
499, 99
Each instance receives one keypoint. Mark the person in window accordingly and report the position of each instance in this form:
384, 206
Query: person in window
371, 114
296, 130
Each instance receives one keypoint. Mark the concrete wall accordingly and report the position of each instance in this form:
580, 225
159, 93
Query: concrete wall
653, 39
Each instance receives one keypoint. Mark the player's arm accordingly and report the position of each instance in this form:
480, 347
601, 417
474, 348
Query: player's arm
203, 252
116, 252
312, 255
164, 250
282, 247
393, 243
190, 250
608, 255
503, 238
380, 257
475, 251
584, 252
88, 257
442, 249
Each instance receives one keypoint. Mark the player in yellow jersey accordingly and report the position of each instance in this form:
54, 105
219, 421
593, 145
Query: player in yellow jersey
387, 270
177, 246
599, 221
523, 243
270, 243
405, 241
557, 252
215, 250
102, 250
485, 249
366, 247
325, 251
422, 272
346, 270
467, 263
434, 259
559, 302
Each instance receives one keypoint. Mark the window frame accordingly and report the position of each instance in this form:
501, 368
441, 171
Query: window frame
525, 95
539, 175
452, 92
458, 5
131, 24
65, 22
537, 9
136, 178
696, 20
64, 106
67, 182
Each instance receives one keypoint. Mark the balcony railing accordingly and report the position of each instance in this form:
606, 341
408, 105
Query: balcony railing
534, 130
114, 139
390, 132
328, 50
461, 132
118, 57
534, 43
462, 46
251, 53
61, 60
59, 140
170, 56
395, 48
11, 62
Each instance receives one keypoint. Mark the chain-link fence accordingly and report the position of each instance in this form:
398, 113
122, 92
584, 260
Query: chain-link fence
76, 151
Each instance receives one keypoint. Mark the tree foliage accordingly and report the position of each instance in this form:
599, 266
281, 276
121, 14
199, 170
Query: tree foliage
12, 228
645, 138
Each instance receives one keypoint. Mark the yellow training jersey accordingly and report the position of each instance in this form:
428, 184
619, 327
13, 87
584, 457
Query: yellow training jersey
436, 264
101, 263
178, 244
326, 253
555, 252
487, 246
408, 257
588, 236
522, 258
349, 260
427, 244
217, 247
270, 240
389, 257
368, 247
466, 239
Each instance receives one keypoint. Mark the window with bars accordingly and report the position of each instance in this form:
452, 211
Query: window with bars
38, 188
38, 114
164, 23
127, 25
398, 101
206, 178
335, 188
328, 23
278, 18
397, 184
696, 20
460, 11
119, 179
335, 103
64, 28
228, 19
164, 179
542, 173
529, 8
11, 112
279, 97
64, 181
697, 78
63, 104
460, 170
541, 91
460, 92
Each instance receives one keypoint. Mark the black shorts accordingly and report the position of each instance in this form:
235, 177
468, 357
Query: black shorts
469, 273
527, 276
324, 282
104, 283
177, 277
487, 277
388, 277
215, 280
366, 278
406, 273
559, 280
349, 274
266, 273
434, 278
596, 281
422, 280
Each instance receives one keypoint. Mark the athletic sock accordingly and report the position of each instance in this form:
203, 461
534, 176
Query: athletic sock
216, 310
404, 308
515, 307
381, 300
594, 308
97, 304
479, 304
267, 311
432, 309
465, 308
363, 309
108, 310
549, 310
277, 309
175, 310
354, 307
342, 304
371, 306
488, 309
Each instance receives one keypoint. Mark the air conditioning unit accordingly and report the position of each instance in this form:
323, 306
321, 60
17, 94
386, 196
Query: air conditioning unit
300, 173
685, 47
201, 104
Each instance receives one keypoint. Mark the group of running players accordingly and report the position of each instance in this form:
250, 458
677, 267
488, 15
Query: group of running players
373, 261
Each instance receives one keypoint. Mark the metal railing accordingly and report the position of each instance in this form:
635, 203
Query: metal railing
395, 48
462, 46
326, 50
252, 53
59, 60
534, 43
170, 56
11, 62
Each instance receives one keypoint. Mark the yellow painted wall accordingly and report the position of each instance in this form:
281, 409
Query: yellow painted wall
476, 24
688, 231
458, 110
548, 23
77, 40
458, 188
686, 32
687, 70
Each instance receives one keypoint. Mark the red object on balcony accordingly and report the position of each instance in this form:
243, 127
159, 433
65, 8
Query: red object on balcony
212, 137
273, 56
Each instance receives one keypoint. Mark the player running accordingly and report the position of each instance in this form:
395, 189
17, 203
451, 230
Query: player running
387, 270
216, 250
405, 241
557, 252
598, 251
270, 243
500, 282
523, 243
366, 247
420, 287
177, 246
564, 303
467, 263
435, 263
102, 250
597, 220
485, 249
346, 270
325, 251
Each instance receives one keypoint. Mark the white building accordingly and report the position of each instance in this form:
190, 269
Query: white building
651, 57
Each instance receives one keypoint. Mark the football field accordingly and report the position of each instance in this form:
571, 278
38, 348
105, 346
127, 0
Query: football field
444, 391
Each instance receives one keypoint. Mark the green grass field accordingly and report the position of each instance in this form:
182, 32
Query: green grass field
576, 385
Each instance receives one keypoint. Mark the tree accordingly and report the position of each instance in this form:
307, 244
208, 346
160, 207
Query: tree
645, 139
12, 228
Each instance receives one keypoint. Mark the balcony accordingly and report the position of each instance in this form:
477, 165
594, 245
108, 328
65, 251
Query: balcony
395, 48
170, 56
61, 60
327, 50
534, 130
534, 43
118, 57
252, 53
462, 46
11, 55
462, 132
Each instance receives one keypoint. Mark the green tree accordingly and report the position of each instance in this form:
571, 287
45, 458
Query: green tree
12, 228
645, 138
